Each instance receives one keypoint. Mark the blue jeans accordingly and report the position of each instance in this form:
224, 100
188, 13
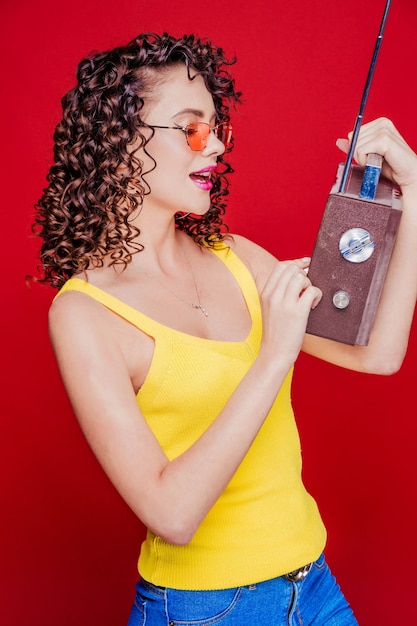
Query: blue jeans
314, 600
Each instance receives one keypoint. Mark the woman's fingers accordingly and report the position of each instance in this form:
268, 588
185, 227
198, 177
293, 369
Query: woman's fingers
289, 280
381, 137
287, 299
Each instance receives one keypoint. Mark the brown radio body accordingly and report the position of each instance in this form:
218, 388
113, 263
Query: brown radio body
351, 257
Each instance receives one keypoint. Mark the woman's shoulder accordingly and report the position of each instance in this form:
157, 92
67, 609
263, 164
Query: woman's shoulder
73, 318
237, 241
259, 261
75, 313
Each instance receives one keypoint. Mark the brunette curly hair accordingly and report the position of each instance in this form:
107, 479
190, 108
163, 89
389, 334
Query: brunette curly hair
84, 213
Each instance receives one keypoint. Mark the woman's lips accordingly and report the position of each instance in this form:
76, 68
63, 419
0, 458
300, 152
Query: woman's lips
202, 178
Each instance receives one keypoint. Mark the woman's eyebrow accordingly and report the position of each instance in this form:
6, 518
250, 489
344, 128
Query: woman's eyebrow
196, 112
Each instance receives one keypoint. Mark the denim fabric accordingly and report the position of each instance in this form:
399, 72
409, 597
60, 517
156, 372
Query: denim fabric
313, 601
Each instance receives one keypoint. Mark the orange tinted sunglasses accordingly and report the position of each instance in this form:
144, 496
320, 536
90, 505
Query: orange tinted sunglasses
198, 133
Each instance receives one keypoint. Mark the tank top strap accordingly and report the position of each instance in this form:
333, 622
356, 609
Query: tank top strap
243, 277
135, 317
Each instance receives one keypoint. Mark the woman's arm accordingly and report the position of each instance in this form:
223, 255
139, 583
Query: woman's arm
389, 337
172, 497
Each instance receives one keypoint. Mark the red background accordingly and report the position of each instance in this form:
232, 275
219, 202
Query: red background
68, 543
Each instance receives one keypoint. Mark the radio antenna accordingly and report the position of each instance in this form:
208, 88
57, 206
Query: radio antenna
358, 122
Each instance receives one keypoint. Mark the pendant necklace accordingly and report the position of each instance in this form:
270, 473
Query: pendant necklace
197, 307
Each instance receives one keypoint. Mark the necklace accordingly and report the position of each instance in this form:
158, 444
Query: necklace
197, 307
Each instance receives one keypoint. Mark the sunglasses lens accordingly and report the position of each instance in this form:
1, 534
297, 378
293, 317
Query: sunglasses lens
224, 134
197, 135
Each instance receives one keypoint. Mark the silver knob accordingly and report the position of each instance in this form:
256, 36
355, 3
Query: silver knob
341, 299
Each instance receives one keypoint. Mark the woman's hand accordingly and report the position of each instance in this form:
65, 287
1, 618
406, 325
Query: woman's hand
381, 137
287, 299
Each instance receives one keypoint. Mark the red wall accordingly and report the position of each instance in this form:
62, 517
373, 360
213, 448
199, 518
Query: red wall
69, 544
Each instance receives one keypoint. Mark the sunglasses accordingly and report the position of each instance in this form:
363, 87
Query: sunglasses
198, 133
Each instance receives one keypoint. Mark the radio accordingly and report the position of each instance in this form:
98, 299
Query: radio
355, 241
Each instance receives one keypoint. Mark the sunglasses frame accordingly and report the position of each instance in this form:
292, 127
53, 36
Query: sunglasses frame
185, 130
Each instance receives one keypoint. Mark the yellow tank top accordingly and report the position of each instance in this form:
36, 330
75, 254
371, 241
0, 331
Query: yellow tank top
265, 524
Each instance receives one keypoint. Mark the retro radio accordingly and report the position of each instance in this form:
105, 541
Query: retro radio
355, 241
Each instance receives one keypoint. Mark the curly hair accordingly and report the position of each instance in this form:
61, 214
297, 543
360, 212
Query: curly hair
85, 211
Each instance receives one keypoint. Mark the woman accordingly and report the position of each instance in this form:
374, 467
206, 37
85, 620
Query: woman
176, 341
